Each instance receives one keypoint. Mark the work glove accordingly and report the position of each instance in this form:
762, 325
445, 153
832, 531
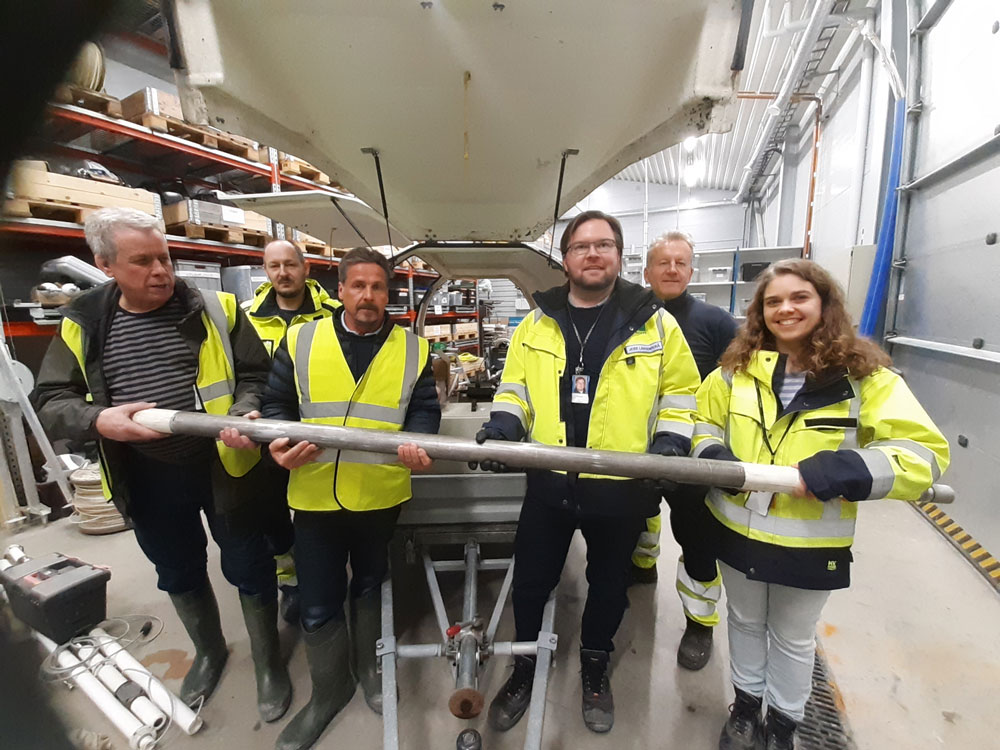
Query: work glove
490, 432
666, 445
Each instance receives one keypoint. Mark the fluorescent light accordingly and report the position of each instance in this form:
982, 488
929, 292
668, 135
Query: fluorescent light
690, 144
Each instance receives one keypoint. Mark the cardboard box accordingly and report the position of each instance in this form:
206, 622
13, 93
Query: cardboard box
153, 101
202, 213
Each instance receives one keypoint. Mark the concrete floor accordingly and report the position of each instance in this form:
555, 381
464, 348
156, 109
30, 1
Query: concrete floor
912, 647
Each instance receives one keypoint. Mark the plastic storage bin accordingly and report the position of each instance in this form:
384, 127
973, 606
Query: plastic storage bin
205, 276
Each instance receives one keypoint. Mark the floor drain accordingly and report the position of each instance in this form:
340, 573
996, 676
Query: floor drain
825, 726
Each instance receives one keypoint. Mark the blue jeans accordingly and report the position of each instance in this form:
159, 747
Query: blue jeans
166, 503
324, 543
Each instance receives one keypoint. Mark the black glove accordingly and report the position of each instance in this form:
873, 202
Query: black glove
667, 445
490, 432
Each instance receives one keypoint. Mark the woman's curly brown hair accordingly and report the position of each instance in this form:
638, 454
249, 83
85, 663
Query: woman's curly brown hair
832, 345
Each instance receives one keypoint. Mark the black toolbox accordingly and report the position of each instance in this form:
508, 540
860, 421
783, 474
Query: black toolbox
56, 595
752, 269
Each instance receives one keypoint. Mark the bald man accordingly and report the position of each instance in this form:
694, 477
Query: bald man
288, 297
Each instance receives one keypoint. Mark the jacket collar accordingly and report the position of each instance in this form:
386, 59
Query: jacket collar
95, 305
831, 387
380, 336
626, 296
265, 302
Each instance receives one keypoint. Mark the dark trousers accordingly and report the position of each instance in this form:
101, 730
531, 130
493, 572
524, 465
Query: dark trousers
543, 538
694, 528
166, 503
271, 500
325, 541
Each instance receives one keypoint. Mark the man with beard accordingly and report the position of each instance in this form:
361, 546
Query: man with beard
356, 369
288, 297
640, 382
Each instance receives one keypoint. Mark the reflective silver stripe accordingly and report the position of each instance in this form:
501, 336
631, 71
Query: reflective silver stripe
516, 388
696, 607
514, 409
712, 590
923, 452
880, 467
681, 428
323, 409
340, 409
831, 508
704, 444
707, 428
727, 377
215, 390
648, 544
303, 346
833, 528
678, 402
850, 441
410, 375
659, 323
538, 314
216, 313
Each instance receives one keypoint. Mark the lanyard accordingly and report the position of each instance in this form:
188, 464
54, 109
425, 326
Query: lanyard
583, 342
767, 442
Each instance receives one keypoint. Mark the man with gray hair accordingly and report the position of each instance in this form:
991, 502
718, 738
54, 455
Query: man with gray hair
148, 339
708, 330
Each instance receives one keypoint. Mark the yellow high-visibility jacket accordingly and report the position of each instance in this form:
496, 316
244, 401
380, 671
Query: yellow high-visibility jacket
328, 394
270, 326
852, 439
646, 388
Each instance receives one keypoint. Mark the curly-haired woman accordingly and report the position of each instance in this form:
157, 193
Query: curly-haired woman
797, 387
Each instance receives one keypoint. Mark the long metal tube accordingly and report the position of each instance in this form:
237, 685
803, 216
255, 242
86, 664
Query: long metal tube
467, 702
745, 476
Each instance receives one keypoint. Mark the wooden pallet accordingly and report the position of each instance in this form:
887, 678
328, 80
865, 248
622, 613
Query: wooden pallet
313, 248
44, 209
178, 128
201, 232
96, 101
299, 168
237, 146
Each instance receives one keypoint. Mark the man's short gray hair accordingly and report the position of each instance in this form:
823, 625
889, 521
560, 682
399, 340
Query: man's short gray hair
670, 237
100, 228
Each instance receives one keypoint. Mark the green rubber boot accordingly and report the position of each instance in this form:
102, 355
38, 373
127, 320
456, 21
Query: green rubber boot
274, 688
199, 613
366, 628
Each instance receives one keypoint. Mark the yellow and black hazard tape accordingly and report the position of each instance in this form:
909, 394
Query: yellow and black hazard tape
973, 551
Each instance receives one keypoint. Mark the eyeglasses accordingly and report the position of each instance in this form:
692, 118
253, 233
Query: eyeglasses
605, 247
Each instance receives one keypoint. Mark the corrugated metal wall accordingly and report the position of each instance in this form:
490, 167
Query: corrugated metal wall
949, 288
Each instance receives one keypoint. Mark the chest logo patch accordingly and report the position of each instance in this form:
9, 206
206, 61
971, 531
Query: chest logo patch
656, 346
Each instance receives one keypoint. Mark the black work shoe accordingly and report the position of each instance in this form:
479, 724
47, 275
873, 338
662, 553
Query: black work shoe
328, 652
274, 688
598, 703
199, 613
743, 729
642, 575
512, 700
289, 608
779, 731
695, 647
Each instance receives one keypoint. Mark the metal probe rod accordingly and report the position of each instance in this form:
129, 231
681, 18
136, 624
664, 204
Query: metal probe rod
737, 474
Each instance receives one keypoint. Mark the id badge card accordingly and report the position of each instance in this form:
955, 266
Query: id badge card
581, 389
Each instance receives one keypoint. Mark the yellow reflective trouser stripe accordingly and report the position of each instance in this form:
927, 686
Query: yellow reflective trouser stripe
285, 568
792, 532
700, 600
648, 548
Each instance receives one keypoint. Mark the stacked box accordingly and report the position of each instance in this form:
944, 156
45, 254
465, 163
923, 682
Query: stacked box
153, 101
202, 213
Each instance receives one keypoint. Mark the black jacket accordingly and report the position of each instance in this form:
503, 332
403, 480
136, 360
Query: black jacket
281, 399
707, 328
59, 395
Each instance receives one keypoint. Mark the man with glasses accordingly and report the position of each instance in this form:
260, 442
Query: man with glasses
638, 379
708, 330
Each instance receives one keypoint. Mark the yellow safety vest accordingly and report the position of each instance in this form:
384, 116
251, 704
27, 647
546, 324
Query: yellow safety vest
879, 418
646, 385
215, 382
272, 328
328, 394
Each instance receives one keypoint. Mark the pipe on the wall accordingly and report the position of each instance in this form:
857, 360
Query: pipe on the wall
862, 129
877, 287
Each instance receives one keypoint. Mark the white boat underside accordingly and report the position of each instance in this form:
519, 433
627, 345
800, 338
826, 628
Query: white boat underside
470, 107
